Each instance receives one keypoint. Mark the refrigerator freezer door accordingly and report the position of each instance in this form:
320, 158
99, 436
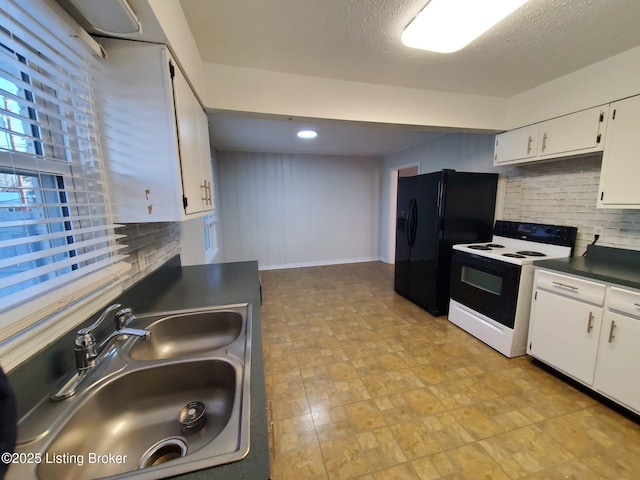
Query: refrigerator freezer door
403, 237
423, 272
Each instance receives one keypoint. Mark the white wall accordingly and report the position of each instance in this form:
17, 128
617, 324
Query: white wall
603, 82
171, 18
462, 152
297, 210
262, 91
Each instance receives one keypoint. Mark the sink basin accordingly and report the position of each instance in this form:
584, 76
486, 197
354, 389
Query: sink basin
187, 334
151, 409
134, 412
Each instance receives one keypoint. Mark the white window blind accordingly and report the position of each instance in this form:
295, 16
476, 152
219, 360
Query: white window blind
55, 227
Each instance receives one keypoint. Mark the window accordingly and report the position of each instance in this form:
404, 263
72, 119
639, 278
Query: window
210, 237
55, 227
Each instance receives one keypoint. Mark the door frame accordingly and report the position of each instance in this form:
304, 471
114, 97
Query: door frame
392, 201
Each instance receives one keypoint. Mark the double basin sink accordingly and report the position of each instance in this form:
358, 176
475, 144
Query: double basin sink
172, 404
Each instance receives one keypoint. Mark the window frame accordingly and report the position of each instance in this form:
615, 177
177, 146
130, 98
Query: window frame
57, 58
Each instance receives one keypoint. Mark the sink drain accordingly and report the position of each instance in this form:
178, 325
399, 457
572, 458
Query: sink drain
192, 416
164, 451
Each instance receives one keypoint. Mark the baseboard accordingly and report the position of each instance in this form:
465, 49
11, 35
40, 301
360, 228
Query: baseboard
320, 263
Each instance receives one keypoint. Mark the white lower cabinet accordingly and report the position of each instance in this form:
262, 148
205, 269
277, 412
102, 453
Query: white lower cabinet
564, 333
590, 331
618, 367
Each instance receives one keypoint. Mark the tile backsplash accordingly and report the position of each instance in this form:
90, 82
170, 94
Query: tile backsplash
564, 192
149, 245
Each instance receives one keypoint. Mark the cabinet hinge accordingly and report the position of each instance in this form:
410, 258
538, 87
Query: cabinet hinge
172, 70
601, 117
185, 202
530, 343
598, 138
613, 117
601, 196
535, 295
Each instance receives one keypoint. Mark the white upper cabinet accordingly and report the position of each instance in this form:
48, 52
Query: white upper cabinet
620, 164
575, 134
578, 133
515, 146
155, 138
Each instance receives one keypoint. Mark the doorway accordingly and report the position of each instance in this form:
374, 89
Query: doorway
402, 171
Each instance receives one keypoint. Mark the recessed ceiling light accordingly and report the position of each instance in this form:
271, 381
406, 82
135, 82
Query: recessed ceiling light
307, 134
446, 26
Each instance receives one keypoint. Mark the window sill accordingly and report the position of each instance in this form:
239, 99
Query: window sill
58, 311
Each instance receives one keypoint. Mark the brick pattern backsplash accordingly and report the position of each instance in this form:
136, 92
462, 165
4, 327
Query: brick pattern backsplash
564, 192
148, 246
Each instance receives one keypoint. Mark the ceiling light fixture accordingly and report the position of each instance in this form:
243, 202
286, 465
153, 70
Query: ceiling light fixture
446, 26
307, 134
112, 17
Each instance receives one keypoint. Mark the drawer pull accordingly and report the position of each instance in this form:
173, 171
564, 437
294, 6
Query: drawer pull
564, 285
590, 323
272, 434
611, 335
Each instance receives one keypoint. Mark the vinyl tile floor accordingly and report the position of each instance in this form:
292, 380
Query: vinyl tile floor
363, 384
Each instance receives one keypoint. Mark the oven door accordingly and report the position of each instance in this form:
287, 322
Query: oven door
486, 285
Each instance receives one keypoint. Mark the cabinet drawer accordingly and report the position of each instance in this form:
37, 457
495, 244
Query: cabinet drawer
624, 301
577, 288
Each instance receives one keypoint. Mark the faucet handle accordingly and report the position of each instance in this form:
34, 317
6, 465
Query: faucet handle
123, 317
89, 330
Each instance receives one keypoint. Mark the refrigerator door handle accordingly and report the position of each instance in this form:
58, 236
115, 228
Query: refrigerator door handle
409, 220
414, 221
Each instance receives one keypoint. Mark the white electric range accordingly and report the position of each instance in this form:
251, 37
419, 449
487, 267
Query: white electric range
491, 282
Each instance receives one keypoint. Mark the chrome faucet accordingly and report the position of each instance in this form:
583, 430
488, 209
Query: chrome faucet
88, 352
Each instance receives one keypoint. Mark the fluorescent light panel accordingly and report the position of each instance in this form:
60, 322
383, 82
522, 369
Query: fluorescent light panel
446, 26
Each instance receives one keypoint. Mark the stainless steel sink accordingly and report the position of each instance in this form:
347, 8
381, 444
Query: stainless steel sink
139, 404
186, 334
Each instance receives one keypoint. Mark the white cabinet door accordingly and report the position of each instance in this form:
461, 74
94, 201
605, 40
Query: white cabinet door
189, 143
618, 369
620, 165
205, 161
573, 134
564, 333
516, 145
153, 139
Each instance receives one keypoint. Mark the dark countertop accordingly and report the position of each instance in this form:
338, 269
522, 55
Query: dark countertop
174, 287
611, 265
223, 284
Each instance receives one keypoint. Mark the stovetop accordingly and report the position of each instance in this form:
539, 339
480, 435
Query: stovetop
523, 243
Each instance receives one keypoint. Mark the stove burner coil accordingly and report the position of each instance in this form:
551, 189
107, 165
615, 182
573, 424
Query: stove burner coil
479, 247
531, 253
494, 245
513, 255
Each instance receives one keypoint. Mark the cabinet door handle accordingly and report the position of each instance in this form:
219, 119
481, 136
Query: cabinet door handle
611, 335
590, 323
272, 434
637, 305
564, 285
529, 144
544, 141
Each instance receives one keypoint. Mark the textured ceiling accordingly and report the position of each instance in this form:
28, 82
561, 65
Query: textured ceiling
359, 40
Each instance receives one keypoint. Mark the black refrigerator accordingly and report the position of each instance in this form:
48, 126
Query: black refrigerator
435, 211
